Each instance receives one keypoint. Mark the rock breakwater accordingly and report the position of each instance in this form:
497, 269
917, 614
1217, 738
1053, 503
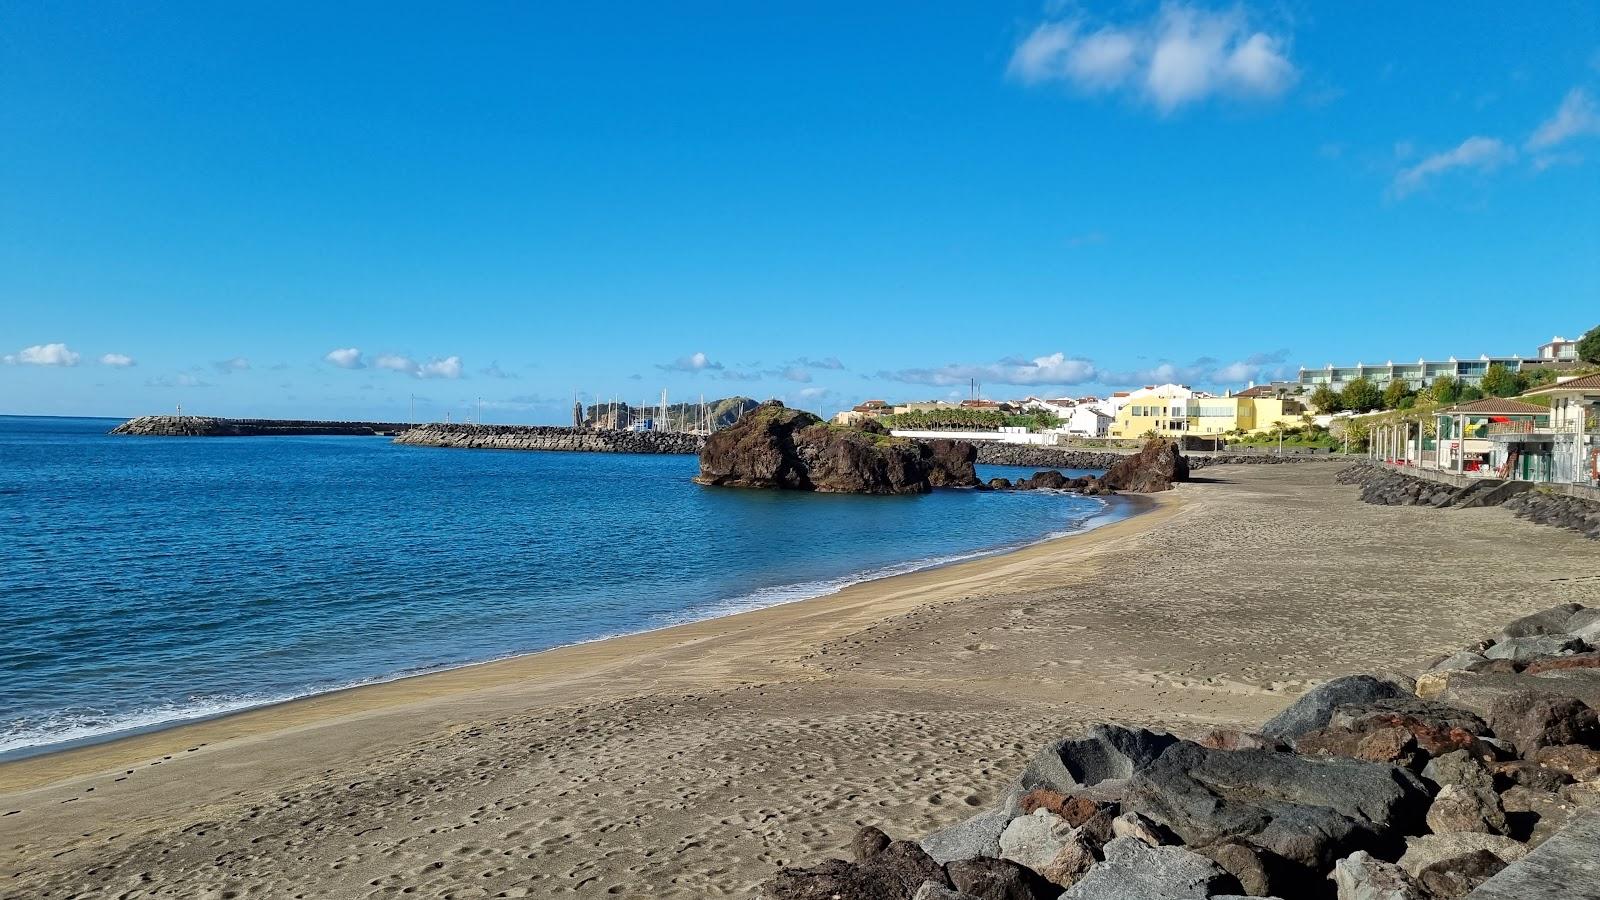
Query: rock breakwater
995, 453
1366, 787
1384, 486
211, 426
549, 437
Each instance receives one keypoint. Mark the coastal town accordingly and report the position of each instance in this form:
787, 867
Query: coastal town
1533, 418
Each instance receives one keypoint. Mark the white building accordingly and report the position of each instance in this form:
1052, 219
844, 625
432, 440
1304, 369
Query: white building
1559, 348
1087, 420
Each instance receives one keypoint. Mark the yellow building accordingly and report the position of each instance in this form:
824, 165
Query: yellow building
1210, 416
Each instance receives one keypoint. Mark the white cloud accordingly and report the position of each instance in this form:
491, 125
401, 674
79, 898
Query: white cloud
1483, 154
176, 381
1576, 117
118, 361
1057, 368
449, 367
1207, 371
695, 362
346, 358
494, 371
236, 364
1183, 54
795, 373
42, 355
828, 362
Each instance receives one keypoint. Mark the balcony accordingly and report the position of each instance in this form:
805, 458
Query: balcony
1514, 430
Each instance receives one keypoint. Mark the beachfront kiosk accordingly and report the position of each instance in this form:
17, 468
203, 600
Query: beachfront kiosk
1467, 436
1567, 445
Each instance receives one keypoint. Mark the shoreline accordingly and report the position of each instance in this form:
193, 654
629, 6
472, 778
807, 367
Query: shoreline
20, 772
695, 761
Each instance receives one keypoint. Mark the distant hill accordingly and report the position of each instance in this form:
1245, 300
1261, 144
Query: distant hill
680, 416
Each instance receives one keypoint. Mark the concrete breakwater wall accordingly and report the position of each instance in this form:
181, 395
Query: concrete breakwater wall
549, 437
211, 426
998, 454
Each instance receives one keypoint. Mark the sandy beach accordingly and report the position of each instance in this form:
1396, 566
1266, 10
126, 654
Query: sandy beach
692, 761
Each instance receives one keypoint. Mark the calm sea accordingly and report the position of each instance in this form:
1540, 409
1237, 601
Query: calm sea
145, 581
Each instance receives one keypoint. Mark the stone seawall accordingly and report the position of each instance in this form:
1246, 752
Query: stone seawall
211, 426
549, 437
999, 454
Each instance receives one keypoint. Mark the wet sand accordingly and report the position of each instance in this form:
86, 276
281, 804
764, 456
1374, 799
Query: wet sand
691, 761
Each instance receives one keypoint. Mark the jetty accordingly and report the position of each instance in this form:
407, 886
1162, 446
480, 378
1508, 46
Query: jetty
550, 437
211, 426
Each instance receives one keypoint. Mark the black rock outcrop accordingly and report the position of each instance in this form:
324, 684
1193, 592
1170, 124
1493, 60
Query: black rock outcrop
773, 446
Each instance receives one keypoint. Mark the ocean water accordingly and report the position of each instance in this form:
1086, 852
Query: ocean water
147, 581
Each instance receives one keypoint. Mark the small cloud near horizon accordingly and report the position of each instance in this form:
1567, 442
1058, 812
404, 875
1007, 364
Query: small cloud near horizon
346, 358
43, 355
1055, 369
1058, 369
229, 366
176, 381
693, 363
118, 361
447, 367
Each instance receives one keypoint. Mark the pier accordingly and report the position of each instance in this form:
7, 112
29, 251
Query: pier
211, 426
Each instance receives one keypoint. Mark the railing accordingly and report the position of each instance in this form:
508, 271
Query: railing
1518, 428
1540, 428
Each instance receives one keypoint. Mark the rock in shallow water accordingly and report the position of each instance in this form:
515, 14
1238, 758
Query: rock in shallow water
775, 447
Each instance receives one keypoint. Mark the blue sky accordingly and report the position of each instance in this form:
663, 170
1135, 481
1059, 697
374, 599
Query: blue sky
298, 210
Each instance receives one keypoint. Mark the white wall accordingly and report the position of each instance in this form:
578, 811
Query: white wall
1005, 437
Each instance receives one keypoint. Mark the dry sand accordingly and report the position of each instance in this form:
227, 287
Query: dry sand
692, 761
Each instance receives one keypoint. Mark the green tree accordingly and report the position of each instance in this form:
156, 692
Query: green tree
1469, 393
1396, 393
1589, 346
1446, 389
1499, 381
1539, 377
1326, 400
1361, 395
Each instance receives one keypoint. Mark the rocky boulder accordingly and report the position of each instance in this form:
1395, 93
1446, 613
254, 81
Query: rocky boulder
773, 446
1308, 812
999, 879
1133, 870
1531, 721
1315, 707
1154, 468
1361, 876
894, 873
1105, 754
